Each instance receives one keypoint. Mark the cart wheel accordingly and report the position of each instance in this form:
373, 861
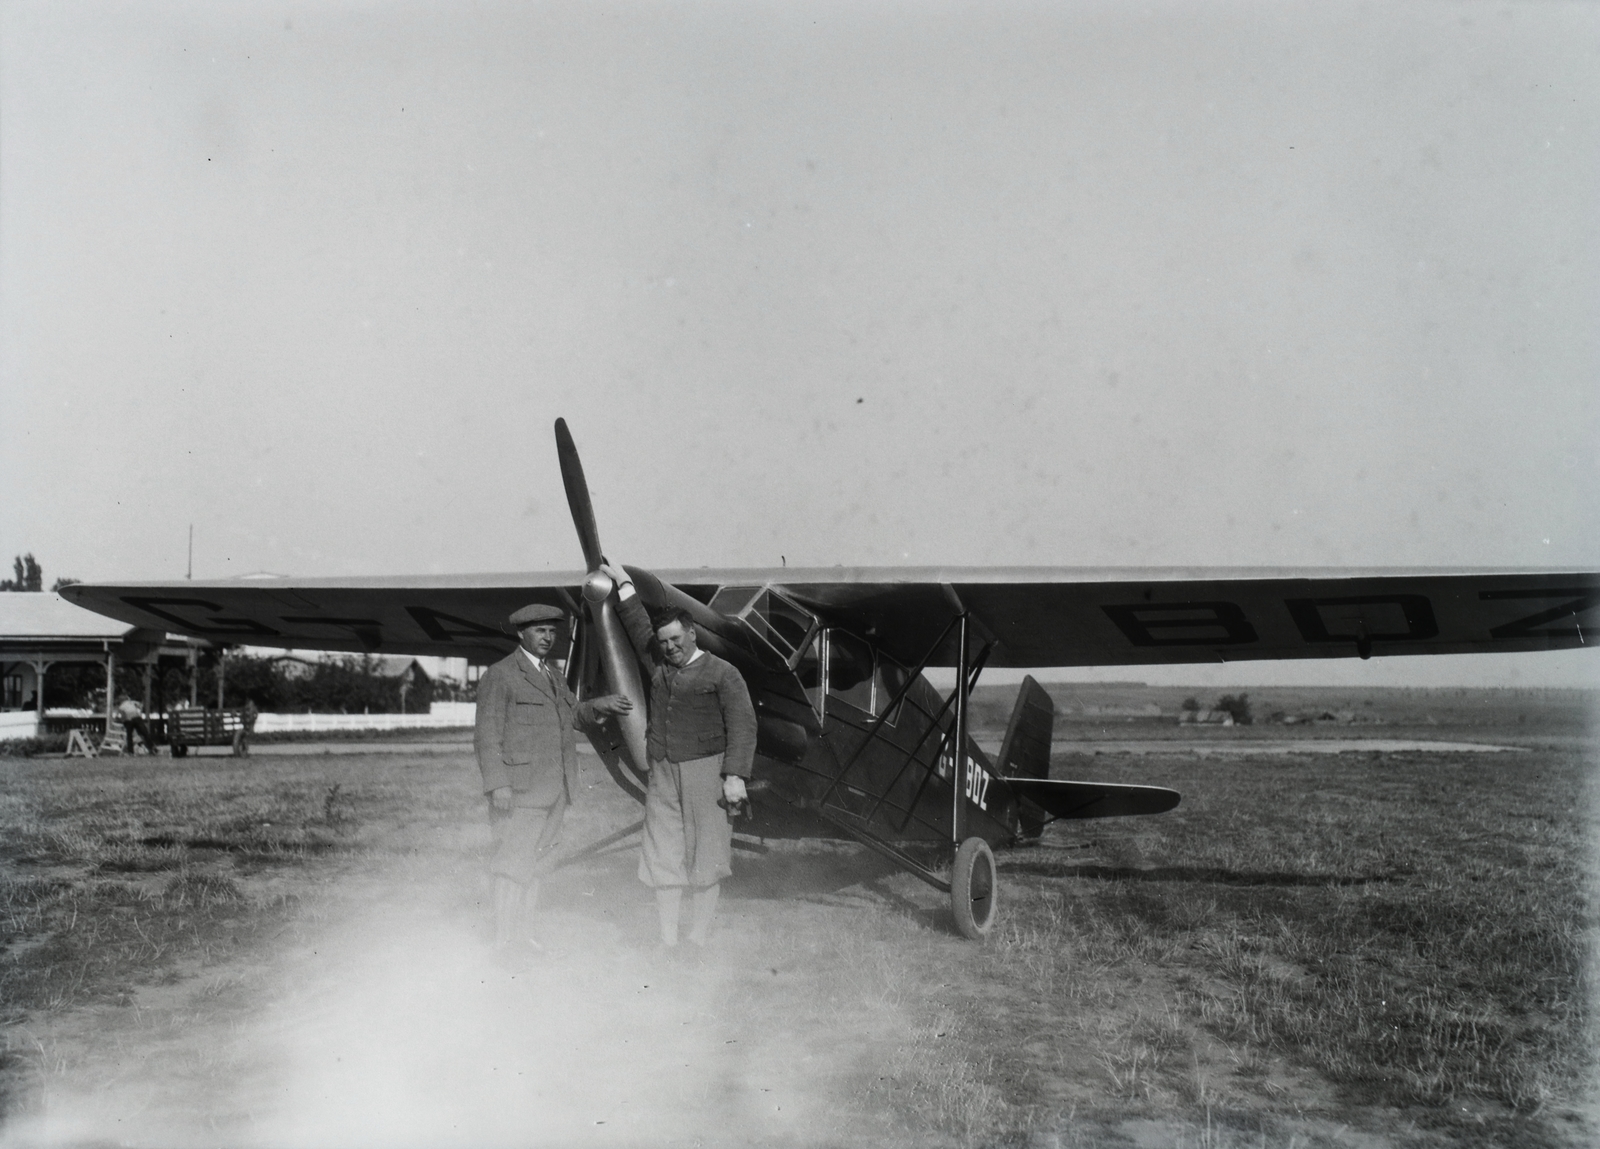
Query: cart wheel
973, 888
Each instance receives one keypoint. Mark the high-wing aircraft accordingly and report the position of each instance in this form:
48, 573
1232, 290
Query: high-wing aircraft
853, 738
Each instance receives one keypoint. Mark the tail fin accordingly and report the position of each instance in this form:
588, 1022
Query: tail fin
1026, 751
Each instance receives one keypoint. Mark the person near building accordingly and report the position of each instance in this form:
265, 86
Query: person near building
131, 715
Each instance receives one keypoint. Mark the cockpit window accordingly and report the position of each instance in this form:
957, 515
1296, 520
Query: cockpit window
862, 677
850, 670
784, 626
731, 600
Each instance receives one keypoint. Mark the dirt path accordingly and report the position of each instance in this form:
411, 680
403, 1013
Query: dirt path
380, 1018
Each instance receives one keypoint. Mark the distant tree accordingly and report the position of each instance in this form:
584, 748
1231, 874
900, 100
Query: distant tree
63, 581
1238, 706
348, 684
261, 680
1190, 703
30, 576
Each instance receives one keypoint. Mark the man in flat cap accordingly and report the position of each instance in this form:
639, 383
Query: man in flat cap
702, 745
528, 753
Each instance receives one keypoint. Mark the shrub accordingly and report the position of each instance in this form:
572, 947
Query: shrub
1238, 706
33, 747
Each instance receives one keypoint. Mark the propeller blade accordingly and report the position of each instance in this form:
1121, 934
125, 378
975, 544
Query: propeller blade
621, 672
578, 496
605, 633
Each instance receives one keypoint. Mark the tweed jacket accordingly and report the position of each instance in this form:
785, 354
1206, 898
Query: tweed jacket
696, 711
524, 732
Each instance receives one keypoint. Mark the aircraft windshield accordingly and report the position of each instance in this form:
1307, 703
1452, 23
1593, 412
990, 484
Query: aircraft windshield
783, 626
731, 600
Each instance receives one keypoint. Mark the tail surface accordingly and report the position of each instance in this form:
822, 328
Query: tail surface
1026, 751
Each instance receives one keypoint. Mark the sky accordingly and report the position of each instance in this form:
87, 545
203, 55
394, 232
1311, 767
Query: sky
1170, 284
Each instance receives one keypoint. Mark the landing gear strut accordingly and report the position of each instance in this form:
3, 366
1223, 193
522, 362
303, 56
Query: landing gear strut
972, 876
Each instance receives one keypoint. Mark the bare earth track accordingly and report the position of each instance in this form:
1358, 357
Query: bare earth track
1371, 948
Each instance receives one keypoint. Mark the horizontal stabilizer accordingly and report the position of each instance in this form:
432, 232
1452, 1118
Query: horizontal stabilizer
1064, 799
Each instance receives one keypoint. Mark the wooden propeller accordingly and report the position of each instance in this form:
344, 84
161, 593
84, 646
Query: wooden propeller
578, 497
617, 661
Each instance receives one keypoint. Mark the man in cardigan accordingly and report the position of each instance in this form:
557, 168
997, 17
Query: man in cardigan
702, 743
528, 754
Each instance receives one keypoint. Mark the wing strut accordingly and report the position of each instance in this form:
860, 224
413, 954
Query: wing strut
958, 774
911, 807
878, 724
968, 669
896, 855
596, 847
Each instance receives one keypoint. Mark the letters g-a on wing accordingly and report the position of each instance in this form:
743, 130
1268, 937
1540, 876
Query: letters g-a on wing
192, 615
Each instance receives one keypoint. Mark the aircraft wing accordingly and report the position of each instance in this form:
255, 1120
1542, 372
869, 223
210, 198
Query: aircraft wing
456, 616
1065, 617
1036, 617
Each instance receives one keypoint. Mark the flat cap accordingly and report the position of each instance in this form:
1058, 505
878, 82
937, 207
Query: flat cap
535, 613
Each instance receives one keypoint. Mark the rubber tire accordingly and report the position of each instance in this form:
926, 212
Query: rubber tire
974, 887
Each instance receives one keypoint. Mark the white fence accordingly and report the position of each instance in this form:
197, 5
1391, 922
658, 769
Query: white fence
18, 724
443, 715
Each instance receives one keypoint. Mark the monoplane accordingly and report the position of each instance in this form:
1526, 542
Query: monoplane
854, 740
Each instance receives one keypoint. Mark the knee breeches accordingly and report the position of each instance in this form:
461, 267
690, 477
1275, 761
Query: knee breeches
687, 838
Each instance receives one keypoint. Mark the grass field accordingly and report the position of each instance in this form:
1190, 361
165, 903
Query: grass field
1312, 950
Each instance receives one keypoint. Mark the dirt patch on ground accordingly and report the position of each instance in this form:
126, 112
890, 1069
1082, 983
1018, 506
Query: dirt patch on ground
380, 1017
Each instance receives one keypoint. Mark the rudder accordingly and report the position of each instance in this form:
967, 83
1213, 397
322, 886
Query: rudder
1025, 753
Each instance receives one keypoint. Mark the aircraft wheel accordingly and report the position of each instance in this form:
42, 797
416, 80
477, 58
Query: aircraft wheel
973, 887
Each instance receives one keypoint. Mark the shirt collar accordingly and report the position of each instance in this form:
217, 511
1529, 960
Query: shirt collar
538, 663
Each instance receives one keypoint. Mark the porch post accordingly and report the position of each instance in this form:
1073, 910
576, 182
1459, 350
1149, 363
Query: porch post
111, 684
39, 667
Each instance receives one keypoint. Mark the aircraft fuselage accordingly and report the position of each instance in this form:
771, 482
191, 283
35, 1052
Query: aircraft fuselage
840, 724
